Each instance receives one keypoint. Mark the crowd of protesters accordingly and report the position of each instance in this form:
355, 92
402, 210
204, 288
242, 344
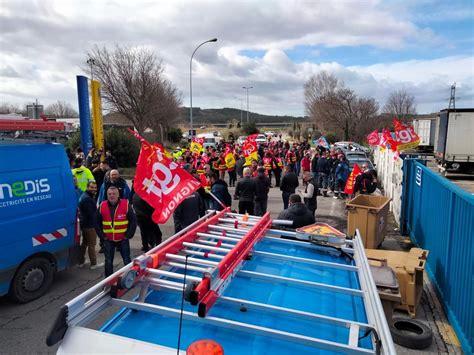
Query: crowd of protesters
111, 210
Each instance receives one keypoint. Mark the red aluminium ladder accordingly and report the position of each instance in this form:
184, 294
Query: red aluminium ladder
30, 125
215, 248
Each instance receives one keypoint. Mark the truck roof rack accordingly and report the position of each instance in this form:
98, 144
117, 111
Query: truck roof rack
32, 129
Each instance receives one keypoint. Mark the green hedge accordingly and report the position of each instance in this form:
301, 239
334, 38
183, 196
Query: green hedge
119, 141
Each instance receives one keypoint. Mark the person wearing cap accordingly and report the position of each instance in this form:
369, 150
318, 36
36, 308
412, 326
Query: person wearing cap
261, 195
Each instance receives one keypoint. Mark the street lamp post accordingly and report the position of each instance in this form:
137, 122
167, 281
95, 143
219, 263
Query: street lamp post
191, 84
241, 106
247, 88
91, 62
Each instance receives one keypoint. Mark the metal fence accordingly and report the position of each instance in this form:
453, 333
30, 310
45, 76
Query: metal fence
439, 216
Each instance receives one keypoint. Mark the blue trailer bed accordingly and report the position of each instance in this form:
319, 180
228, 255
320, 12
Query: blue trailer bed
285, 297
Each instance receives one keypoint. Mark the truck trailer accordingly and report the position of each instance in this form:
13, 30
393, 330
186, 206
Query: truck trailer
454, 144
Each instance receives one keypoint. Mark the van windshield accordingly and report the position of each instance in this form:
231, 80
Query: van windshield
210, 140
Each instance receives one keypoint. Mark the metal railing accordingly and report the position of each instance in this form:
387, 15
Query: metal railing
439, 216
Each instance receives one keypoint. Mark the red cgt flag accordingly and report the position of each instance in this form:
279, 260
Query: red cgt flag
373, 138
349, 189
406, 136
160, 181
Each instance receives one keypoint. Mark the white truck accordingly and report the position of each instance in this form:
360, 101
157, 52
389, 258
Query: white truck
454, 143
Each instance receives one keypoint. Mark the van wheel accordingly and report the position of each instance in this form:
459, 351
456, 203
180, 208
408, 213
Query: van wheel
32, 280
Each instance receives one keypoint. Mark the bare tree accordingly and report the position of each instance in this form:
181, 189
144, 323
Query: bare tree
318, 86
401, 104
60, 109
6, 107
133, 84
337, 109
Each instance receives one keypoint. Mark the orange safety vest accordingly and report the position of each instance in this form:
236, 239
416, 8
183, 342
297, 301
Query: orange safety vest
267, 163
222, 165
114, 229
200, 169
279, 163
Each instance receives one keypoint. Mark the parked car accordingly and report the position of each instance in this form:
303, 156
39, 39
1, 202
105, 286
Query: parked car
351, 146
360, 162
355, 155
261, 139
241, 139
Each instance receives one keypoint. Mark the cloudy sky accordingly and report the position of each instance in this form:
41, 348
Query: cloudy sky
275, 46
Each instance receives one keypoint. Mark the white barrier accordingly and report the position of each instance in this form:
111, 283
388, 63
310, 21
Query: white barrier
390, 174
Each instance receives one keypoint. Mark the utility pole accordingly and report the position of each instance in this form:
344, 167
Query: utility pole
247, 88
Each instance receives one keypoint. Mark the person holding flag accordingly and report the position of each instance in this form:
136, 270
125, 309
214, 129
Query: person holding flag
197, 145
267, 165
222, 166
230, 164
250, 149
161, 182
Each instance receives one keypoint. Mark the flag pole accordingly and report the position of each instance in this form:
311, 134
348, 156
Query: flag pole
215, 198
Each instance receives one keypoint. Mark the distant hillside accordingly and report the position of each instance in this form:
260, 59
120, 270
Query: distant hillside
223, 115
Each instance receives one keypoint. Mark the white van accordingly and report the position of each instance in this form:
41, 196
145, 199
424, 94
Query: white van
209, 140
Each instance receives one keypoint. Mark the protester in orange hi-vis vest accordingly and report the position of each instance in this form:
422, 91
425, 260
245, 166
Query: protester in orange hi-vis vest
267, 165
222, 166
116, 225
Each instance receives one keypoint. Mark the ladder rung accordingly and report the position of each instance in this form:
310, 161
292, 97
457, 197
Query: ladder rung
220, 237
200, 253
240, 222
188, 267
192, 260
211, 243
227, 234
200, 246
161, 282
229, 229
241, 216
174, 275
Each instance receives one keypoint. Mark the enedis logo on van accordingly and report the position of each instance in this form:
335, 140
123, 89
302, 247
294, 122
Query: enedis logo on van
20, 192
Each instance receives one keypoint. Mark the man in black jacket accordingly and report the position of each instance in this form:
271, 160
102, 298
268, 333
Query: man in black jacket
220, 191
323, 168
87, 217
289, 183
150, 231
188, 211
261, 196
239, 166
245, 193
297, 212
